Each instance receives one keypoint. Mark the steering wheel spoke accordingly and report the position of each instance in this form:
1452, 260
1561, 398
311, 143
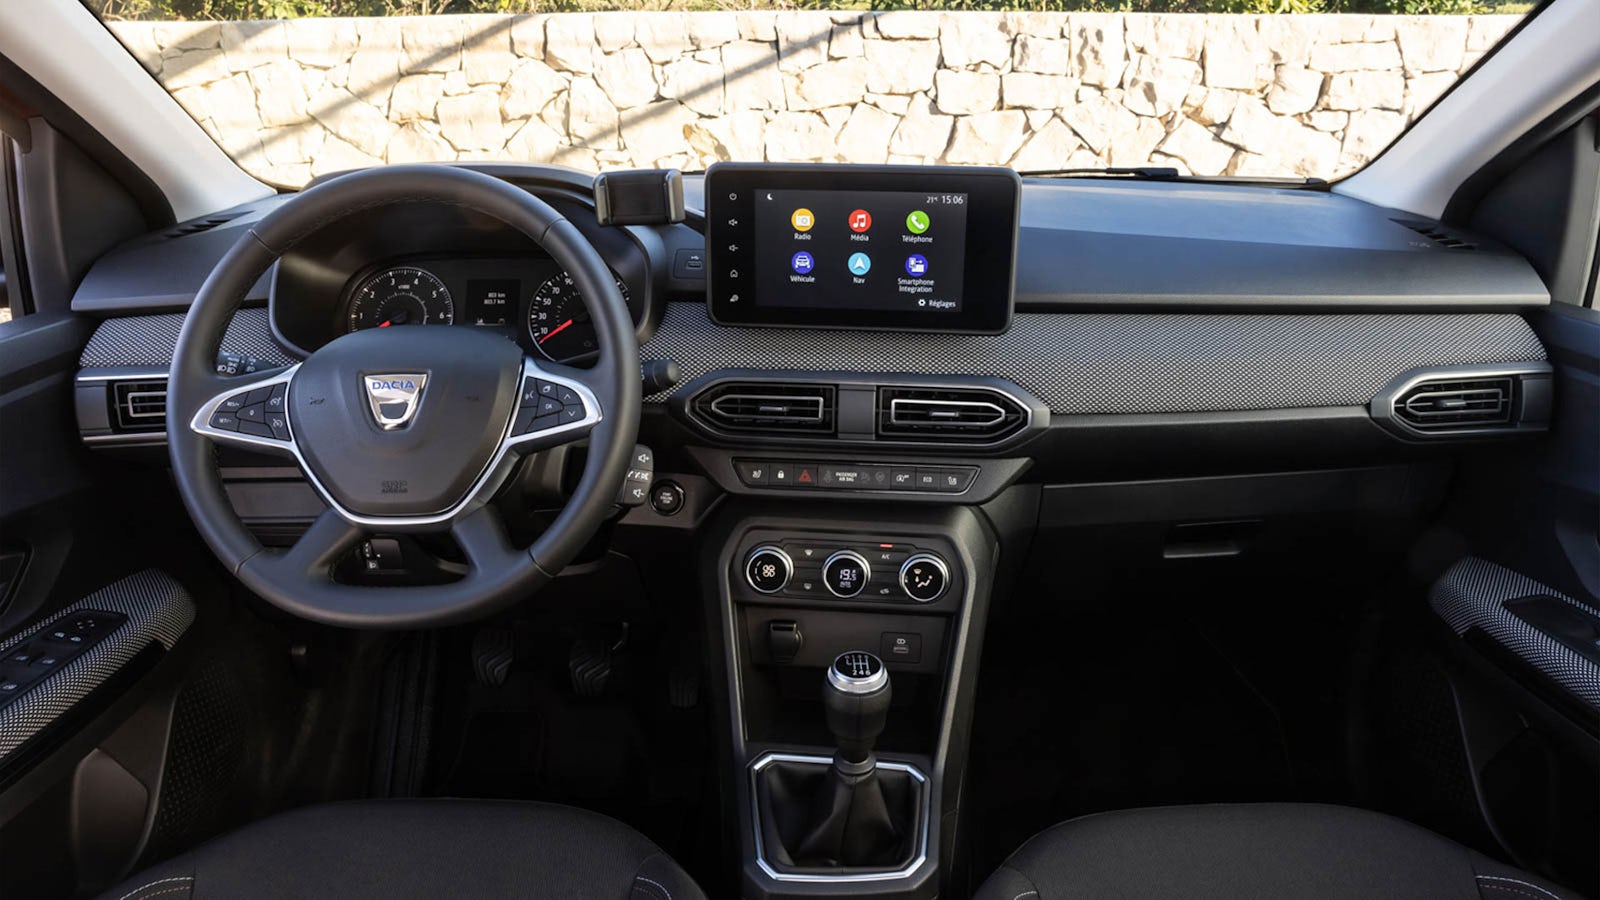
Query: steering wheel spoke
559, 405
317, 551
481, 535
250, 412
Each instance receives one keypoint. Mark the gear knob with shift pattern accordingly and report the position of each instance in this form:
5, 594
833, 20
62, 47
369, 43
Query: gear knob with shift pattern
856, 697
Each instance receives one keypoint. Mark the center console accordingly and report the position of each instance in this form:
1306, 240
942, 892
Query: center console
849, 640
854, 554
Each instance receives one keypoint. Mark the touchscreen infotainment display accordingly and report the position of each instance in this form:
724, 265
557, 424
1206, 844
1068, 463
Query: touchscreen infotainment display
881, 250
906, 248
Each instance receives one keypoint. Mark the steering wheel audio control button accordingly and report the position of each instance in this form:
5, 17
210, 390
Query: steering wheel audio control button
548, 406
767, 569
279, 423
530, 392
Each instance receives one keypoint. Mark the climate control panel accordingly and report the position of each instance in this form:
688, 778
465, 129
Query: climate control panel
819, 567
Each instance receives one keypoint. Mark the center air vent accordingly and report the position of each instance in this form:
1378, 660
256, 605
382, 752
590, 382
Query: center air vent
769, 408
1465, 403
972, 415
140, 405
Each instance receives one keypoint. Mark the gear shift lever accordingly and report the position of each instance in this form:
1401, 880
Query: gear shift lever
848, 814
856, 696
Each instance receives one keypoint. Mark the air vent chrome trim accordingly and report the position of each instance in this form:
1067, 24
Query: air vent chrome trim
955, 414
895, 417
775, 408
775, 412
1523, 404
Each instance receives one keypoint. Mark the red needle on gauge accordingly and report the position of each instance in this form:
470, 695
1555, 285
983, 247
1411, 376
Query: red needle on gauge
556, 330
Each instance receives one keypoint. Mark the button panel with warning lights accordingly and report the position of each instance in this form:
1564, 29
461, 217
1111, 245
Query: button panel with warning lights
833, 476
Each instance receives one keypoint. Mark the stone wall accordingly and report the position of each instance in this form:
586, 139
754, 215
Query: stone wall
1267, 95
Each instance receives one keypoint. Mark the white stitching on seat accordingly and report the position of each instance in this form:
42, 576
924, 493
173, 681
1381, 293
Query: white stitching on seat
659, 885
1024, 894
1519, 881
154, 883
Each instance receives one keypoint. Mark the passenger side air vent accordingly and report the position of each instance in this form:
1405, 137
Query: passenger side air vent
196, 226
1436, 233
1440, 405
1467, 402
140, 405
948, 415
769, 408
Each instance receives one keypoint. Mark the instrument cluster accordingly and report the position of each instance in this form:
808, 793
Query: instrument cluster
534, 301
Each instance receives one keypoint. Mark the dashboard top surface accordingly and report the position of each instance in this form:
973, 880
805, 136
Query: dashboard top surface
1083, 245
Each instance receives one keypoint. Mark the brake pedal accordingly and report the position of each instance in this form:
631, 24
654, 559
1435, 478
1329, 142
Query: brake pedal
591, 666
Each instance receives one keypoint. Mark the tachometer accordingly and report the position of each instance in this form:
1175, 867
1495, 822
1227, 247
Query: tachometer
558, 321
405, 295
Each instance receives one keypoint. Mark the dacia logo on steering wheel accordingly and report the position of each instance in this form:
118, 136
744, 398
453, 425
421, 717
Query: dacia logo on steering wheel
394, 398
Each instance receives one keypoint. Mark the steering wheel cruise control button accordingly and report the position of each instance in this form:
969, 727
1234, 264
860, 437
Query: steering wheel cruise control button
924, 577
225, 421
846, 573
767, 569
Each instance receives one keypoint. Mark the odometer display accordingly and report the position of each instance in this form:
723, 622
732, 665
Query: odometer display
405, 295
558, 321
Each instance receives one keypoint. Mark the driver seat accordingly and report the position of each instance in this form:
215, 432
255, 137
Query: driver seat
422, 848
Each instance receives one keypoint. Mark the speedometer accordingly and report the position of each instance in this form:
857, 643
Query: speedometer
405, 295
558, 321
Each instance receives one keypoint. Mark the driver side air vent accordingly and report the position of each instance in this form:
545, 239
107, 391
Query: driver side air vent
769, 408
948, 415
140, 405
1437, 405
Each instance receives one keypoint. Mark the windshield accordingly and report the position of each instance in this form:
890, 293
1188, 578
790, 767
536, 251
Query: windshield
337, 84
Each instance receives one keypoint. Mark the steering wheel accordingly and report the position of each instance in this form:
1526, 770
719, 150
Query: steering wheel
403, 430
